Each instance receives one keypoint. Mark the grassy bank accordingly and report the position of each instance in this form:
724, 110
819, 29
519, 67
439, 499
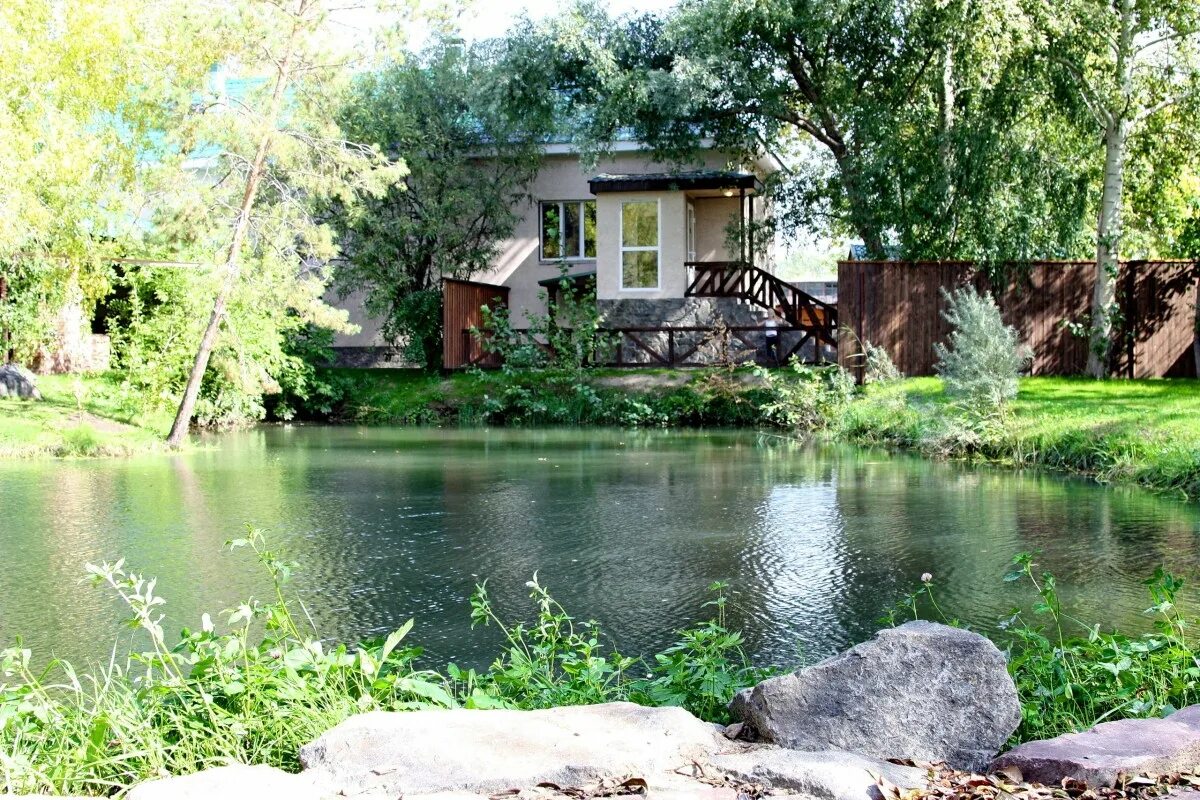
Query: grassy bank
656, 397
1143, 431
79, 415
1140, 431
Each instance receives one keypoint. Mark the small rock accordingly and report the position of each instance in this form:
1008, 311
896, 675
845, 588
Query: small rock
920, 691
734, 730
1098, 755
432, 751
827, 775
236, 782
19, 382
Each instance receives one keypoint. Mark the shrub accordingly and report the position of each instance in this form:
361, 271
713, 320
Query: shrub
984, 357
806, 398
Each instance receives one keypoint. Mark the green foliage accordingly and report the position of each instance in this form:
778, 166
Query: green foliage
566, 337
806, 398
256, 688
983, 357
157, 318
550, 662
1070, 674
704, 670
440, 111
215, 697
909, 123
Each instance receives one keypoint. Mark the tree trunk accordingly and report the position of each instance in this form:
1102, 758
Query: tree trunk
5, 334
187, 404
1108, 248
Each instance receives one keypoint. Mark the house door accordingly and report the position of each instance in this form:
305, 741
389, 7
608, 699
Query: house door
691, 232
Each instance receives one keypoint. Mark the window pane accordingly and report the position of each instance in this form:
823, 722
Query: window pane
550, 232
639, 224
571, 229
589, 229
639, 269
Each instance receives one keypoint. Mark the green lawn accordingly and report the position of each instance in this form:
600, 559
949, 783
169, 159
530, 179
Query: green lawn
1146, 431
79, 415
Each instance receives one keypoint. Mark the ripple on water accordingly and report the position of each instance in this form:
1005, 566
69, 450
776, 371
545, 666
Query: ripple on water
627, 527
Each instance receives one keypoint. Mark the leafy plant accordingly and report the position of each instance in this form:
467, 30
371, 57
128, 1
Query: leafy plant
550, 662
213, 698
983, 358
804, 397
704, 670
1070, 674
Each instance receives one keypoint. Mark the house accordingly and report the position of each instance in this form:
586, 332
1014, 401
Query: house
666, 249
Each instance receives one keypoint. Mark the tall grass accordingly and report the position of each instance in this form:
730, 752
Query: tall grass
256, 684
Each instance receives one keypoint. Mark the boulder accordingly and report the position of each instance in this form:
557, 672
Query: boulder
18, 382
920, 691
829, 775
235, 782
424, 752
1099, 755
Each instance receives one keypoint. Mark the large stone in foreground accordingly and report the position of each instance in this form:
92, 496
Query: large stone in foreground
829, 775
18, 382
1099, 755
415, 752
920, 691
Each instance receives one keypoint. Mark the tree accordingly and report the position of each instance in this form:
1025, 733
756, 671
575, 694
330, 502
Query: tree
88, 87
452, 113
1133, 63
279, 154
910, 122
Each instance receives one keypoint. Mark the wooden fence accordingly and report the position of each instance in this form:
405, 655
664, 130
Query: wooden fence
898, 305
461, 304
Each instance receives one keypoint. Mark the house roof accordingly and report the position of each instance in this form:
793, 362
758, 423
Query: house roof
675, 181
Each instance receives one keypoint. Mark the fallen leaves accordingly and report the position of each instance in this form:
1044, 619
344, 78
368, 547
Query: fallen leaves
1007, 784
606, 787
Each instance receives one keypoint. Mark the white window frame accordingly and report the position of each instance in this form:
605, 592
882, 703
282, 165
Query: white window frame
657, 249
562, 231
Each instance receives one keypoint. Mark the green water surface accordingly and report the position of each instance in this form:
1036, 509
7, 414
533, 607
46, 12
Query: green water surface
626, 527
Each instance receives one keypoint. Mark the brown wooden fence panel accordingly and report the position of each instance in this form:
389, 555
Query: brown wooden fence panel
461, 304
898, 305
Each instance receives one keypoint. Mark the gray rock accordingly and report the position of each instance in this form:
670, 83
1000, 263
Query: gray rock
1097, 756
19, 382
921, 691
235, 782
828, 775
408, 753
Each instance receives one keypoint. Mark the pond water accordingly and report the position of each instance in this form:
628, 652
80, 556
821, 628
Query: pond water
626, 527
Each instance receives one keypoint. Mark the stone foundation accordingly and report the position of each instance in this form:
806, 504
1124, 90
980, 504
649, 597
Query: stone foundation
373, 357
679, 313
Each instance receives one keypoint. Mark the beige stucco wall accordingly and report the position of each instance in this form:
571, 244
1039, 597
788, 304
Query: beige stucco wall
672, 228
563, 177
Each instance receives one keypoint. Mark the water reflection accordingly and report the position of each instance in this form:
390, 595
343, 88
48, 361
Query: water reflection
628, 527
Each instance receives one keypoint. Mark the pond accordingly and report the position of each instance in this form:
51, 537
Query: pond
626, 527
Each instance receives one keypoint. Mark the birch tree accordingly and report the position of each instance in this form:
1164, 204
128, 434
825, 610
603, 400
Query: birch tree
1129, 61
279, 156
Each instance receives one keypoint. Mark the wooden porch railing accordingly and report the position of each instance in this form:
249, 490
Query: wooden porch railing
742, 281
684, 346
